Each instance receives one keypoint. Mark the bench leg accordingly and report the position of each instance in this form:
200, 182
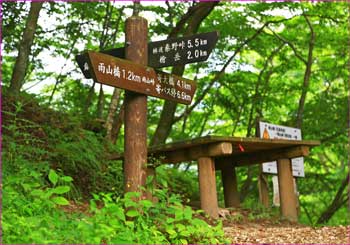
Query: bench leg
229, 182
286, 189
207, 186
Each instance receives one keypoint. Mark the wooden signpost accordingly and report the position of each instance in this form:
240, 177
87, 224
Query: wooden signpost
139, 80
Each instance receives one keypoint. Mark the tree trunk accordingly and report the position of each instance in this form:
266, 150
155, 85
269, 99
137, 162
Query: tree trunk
338, 201
111, 112
117, 124
89, 99
61, 76
194, 16
21, 64
116, 93
307, 75
245, 189
100, 103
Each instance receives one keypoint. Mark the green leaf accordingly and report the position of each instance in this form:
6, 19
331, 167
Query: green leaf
60, 201
188, 213
183, 241
146, 203
37, 192
129, 203
119, 212
67, 179
170, 231
53, 177
132, 213
61, 189
130, 195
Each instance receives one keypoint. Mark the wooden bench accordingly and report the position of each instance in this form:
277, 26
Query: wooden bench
225, 154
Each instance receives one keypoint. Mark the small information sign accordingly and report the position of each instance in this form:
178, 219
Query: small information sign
273, 131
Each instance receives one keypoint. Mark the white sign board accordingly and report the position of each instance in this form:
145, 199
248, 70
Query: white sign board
273, 131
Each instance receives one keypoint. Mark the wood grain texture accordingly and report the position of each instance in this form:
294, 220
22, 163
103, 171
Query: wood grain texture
286, 190
207, 186
135, 138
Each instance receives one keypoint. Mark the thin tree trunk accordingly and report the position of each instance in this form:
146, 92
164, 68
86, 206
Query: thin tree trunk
245, 189
60, 76
21, 64
117, 124
100, 103
337, 202
103, 43
89, 99
307, 75
111, 112
115, 97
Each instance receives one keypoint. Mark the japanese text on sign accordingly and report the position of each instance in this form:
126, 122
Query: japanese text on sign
180, 51
272, 131
175, 47
134, 77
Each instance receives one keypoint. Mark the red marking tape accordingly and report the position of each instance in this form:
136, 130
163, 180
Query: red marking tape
240, 147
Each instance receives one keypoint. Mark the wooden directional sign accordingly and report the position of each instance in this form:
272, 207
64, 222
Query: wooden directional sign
170, 52
180, 51
82, 59
138, 78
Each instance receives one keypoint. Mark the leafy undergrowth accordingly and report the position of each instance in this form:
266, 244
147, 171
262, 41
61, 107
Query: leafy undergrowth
49, 160
31, 214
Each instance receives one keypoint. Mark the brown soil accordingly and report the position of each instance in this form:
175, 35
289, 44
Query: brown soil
242, 230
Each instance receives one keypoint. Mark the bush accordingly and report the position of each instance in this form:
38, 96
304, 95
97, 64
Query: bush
33, 216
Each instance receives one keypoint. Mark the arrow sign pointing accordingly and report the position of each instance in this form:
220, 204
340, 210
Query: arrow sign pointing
170, 52
82, 59
125, 74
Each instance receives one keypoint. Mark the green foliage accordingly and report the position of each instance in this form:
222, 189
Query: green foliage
32, 217
129, 221
34, 193
179, 181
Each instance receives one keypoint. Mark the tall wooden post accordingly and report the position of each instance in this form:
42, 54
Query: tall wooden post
229, 182
286, 189
207, 186
135, 138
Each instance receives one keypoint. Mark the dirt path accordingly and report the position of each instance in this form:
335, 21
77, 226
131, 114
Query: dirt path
272, 231
257, 233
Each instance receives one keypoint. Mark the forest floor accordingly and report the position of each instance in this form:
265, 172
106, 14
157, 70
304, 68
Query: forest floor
244, 226
241, 227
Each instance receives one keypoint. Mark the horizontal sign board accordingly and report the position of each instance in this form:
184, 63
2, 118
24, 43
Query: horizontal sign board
181, 51
272, 131
138, 78
170, 52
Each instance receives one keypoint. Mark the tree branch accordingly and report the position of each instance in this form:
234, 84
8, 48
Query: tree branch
296, 52
220, 73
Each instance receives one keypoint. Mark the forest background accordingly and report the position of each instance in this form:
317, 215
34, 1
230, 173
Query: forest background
281, 62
